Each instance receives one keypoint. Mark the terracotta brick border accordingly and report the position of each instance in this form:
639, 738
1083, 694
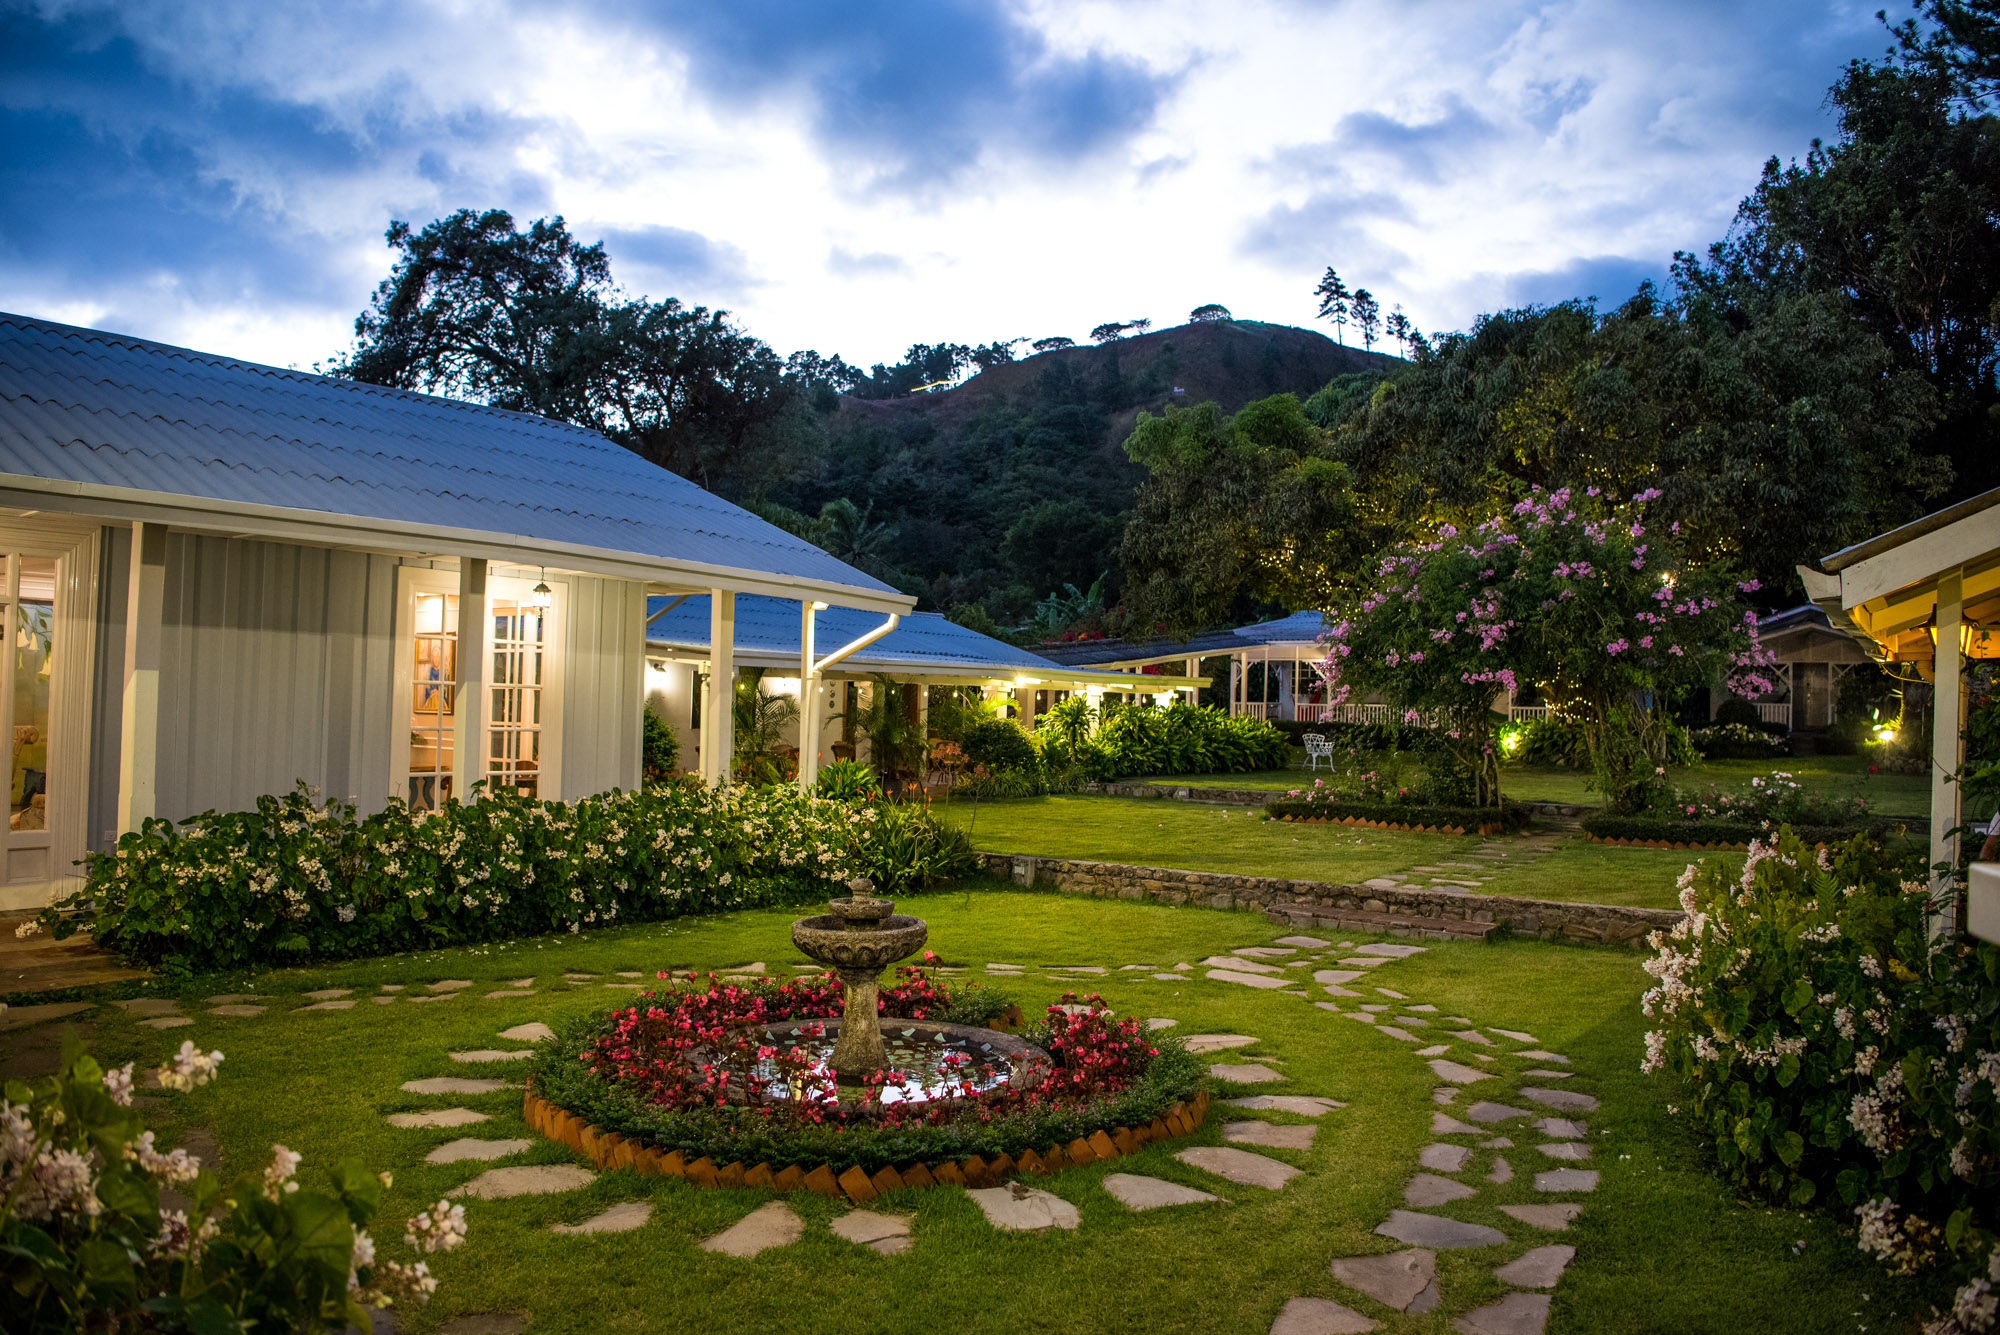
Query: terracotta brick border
1387, 824
609, 1150
1665, 843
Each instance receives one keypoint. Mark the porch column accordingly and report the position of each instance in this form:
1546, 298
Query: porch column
809, 701
470, 702
1093, 699
1024, 706
718, 715
1947, 723
139, 738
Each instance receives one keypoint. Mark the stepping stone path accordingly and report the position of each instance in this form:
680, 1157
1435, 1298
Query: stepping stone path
1319, 1316
1517, 1035
773, 1224
238, 1009
480, 1323
1494, 1112
1561, 1128
1269, 1133
1502, 1171
1457, 1074
1302, 1105
442, 1117
1336, 976
1429, 1230
1153, 1024
1151, 1193
1516, 1314
618, 1219
1553, 1217
330, 993
1444, 1158
1263, 952
1246, 979
528, 1180
1302, 942
1566, 1149
1217, 1042
1242, 965
1405, 1281
1563, 1100
1017, 1208
1239, 1166
1566, 1179
450, 1084
492, 1055
1250, 1073
1444, 1124
528, 1033
1538, 1269
888, 1234
456, 1151
347, 1005
1427, 1189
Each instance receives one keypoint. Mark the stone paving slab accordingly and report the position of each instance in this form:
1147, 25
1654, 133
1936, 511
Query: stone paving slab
1429, 1230
383, 1001
1217, 1042
395, 987
330, 993
1562, 1100
1319, 1316
1561, 1128
1269, 1133
1566, 1179
1244, 1073
1158, 977
451, 985
20, 1017
1516, 1314
442, 996
439, 1117
1517, 1035
347, 1005
1456, 1073
1434, 1050
1364, 961
1442, 1158
457, 1151
1555, 1218
1444, 1124
1425, 1009
1536, 1054
1404, 1281
1497, 1143
1337, 976
1362, 1016
1472, 1036
151, 1006
472, 1323
1494, 1112
1238, 1166
1538, 1269
1247, 979
492, 1055
451, 1084
239, 1010
1015, 1208
1393, 1032
1151, 1193
1241, 965
1303, 942
1427, 1189
1304, 1105
772, 1224
1573, 1150
1550, 1075
886, 1234
525, 1180
510, 993
1502, 1171
1393, 950
532, 1032
618, 1219
1160, 1022
1263, 952
176, 1021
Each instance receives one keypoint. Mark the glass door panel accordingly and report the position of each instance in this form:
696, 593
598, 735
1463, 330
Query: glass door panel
31, 625
433, 698
514, 735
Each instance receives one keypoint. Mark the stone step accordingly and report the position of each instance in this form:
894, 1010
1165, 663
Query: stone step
1389, 924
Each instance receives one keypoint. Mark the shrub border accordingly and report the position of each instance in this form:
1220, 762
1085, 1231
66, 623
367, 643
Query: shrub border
1610, 828
1425, 820
608, 1150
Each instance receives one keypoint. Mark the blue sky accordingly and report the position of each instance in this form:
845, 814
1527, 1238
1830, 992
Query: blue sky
858, 176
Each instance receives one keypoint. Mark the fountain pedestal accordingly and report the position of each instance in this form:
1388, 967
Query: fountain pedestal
858, 938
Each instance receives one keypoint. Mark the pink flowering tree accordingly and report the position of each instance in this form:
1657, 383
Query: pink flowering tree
1571, 594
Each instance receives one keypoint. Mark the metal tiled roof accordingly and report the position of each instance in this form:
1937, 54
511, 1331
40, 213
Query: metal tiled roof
769, 627
105, 411
1300, 627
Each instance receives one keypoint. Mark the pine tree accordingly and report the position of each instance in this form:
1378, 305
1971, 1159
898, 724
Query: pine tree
1399, 329
1332, 294
1367, 314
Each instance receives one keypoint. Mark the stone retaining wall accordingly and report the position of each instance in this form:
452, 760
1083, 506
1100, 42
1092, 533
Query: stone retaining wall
1549, 813
1549, 919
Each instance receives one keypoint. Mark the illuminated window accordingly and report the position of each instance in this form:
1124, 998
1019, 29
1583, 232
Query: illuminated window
514, 730
432, 698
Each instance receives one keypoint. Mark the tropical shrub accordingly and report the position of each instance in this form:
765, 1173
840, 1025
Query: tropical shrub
293, 880
659, 749
1375, 799
1186, 739
1738, 741
1836, 1054
848, 781
85, 1243
999, 744
1740, 712
1545, 741
638, 1071
904, 847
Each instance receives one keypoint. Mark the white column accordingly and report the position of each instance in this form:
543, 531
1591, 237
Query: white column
718, 710
470, 705
810, 703
1947, 723
139, 738
1024, 704
1093, 699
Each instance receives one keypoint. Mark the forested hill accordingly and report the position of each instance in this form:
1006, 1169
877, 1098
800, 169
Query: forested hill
1014, 483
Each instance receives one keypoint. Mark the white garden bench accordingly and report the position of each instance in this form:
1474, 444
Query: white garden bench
1318, 748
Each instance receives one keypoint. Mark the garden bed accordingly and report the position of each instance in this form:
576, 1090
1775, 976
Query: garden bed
1402, 816
1656, 832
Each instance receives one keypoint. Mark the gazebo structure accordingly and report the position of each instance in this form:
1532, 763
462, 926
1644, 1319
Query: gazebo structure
1813, 657
813, 652
1922, 600
1285, 650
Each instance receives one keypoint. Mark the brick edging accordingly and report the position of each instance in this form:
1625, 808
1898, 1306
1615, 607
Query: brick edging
608, 1150
1664, 843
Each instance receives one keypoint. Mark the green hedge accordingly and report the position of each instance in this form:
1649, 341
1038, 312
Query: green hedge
293, 880
1133, 740
1507, 816
1609, 825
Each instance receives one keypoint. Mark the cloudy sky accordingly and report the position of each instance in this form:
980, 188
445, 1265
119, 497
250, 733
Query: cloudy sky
857, 176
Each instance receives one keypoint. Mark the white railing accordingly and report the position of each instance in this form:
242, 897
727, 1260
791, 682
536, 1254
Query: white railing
1517, 712
1310, 713
1780, 712
1253, 709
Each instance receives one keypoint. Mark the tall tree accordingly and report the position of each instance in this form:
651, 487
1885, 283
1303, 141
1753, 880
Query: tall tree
1399, 329
1367, 315
1332, 294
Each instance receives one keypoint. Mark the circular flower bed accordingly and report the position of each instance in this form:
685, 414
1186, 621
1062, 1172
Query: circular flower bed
735, 1073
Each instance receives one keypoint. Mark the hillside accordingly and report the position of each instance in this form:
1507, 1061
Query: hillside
1014, 483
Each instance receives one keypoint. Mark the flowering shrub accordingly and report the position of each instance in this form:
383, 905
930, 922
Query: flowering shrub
1372, 797
1567, 592
1770, 799
1738, 741
1835, 1053
86, 1245
675, 1070
294, 879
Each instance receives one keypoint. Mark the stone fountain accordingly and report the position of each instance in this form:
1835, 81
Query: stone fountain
859, 938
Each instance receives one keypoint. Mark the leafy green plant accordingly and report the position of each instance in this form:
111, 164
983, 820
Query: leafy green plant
849, 781
895, 739
86, 1244
659, 748
1737, 741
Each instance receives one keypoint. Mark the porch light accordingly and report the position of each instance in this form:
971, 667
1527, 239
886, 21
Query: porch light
542, 595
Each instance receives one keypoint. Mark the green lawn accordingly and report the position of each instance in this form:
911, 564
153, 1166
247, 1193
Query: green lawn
1203, 837
1661, 1246
1836, 776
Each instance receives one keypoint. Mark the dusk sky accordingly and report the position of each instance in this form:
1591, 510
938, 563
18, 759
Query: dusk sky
857, 177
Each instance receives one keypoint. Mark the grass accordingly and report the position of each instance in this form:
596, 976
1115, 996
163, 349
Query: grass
1835, 776
1662, 1246
1204, 837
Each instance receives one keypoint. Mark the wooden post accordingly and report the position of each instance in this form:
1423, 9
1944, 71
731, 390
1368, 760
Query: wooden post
718, 715
1947, 743
809, 699
470, 703
139, 738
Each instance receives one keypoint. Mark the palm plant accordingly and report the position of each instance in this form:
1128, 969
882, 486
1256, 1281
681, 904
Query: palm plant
761, 719
895, 740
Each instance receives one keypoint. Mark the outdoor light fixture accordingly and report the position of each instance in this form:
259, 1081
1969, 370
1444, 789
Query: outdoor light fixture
542, 595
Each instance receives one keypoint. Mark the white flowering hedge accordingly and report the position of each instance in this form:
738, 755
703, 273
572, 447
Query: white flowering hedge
1836, 1054
295, 879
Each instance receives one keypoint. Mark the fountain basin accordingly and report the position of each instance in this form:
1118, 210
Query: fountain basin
926, 1053
846, 943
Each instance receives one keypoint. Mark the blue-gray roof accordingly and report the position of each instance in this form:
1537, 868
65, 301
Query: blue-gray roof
1299, 627
770, 627
104, 413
